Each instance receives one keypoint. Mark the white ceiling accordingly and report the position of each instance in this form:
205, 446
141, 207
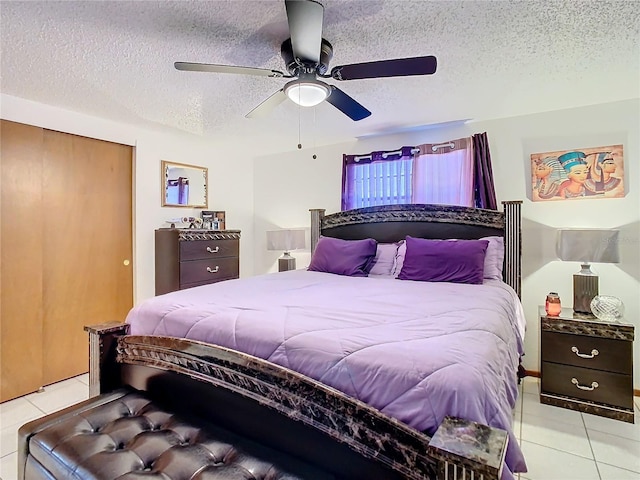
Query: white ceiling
114, 59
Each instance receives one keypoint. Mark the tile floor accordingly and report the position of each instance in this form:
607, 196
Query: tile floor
558, 444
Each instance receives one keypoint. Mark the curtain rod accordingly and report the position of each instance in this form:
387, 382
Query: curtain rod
357, 158
434, 148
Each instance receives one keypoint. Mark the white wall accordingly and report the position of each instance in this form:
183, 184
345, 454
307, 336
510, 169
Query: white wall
230, 178
287, 185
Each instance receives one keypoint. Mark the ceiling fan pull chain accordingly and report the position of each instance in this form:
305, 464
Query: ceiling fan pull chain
314, 156
299, 120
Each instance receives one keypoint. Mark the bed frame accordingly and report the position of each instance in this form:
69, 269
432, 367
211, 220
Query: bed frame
289, 411
390, 223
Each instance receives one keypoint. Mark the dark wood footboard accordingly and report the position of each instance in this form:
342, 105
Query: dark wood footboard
289, 411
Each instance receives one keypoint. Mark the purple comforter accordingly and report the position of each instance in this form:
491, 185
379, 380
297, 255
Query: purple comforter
417, 351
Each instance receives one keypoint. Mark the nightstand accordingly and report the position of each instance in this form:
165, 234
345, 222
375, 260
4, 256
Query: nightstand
587, 364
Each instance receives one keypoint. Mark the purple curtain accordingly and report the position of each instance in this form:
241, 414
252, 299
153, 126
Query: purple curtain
484, 190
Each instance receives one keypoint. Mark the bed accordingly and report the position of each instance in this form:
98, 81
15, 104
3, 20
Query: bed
417, 351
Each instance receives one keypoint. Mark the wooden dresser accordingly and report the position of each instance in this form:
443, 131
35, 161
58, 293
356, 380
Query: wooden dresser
587, 364
188, 258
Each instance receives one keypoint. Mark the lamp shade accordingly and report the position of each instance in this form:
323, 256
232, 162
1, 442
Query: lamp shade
286, 240
588, 245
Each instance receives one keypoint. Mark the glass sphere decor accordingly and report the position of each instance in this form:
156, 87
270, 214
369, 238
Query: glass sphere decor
607, 307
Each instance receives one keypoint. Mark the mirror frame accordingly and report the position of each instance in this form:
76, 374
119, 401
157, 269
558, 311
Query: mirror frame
165, 166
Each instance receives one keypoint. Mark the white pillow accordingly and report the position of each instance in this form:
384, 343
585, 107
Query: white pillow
384, 261
402, 251
494, 258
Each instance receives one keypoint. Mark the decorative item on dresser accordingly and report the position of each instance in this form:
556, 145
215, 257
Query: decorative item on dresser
587, 364
188, 258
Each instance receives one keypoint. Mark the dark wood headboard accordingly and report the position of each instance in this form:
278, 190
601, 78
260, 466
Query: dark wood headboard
390, 223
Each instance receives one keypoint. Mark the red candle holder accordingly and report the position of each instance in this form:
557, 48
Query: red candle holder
552, 305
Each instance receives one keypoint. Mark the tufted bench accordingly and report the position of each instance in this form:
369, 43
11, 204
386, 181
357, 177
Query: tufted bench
124, 435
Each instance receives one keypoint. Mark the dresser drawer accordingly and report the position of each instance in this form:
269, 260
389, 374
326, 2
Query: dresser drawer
612, 388
210, 270
590, 352
207, 249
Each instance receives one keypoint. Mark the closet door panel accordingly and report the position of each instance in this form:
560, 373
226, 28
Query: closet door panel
88, 245
21, 310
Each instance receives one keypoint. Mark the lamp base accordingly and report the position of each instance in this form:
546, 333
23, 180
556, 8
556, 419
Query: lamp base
286, 262
585, 287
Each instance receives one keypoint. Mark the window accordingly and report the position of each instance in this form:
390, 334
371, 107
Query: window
441, 173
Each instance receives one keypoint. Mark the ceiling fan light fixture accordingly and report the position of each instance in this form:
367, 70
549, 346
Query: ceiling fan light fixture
307, 92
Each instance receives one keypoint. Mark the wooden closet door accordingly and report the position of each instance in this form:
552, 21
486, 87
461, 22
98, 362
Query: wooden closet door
88, 279
21, 259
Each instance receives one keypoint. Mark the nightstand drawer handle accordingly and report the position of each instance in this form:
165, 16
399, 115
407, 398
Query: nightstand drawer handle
594, 352
593, 386
213, 250
213, 270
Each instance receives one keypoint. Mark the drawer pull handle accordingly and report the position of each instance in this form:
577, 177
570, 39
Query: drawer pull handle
213, 270
594, 352
213, 250
593, 386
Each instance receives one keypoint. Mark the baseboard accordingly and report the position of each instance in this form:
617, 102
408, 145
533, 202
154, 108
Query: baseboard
534, 373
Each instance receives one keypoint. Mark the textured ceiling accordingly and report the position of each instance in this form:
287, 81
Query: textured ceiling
114, 59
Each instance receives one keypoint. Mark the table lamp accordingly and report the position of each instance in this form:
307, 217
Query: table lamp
587, 246
286, 240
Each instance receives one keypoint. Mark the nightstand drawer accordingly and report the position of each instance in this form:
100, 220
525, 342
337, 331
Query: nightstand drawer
611, 389
209, 249
208, 270
589, 352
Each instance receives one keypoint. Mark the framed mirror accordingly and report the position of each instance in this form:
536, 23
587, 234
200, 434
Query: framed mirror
184, 185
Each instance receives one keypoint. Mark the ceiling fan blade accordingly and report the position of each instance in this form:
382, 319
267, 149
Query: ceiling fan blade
208, 67
347, 105
305, 28
399, 67
268, 105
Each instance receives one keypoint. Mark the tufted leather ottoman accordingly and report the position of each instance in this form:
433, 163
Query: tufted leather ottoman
123, 435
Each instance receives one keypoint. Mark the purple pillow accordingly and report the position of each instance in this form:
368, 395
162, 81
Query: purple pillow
343, 257
461, 261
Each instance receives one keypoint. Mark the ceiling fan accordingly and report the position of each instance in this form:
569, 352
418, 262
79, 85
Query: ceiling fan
307, 55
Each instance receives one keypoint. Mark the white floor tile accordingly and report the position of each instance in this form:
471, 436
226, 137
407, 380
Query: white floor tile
518, 406
9, 467
617, 451
8, 440
83, 378
57, 397
546, 463
608, 472
614, 427
517, 426
531, 405
17, 412
531, 385
55, 386
551, 433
